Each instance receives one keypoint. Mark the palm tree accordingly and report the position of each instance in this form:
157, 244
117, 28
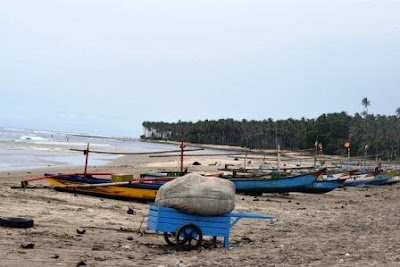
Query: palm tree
365, 102
398, 112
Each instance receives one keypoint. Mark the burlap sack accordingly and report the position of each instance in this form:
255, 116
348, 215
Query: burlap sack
196, 194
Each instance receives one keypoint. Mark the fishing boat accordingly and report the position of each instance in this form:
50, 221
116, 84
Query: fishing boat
324, 186
330, 176
393, 180
141, 189
394, 177
257, 186
367, 179
379, 179
328, 183
144, 189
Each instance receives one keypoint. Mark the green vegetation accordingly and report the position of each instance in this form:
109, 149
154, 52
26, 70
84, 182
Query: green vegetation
380, 133
365, 102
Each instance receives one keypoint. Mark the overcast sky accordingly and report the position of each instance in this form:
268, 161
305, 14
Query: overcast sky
104, 67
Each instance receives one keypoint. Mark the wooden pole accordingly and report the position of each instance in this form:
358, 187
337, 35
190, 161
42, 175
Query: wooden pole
348, 158
316, 152
87, 158
245, 161
182, 146
279, 159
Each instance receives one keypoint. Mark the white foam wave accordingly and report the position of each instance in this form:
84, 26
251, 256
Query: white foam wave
70, 144
32, 138
14, 129
45, 132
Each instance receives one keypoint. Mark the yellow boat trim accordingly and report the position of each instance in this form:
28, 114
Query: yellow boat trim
110, 191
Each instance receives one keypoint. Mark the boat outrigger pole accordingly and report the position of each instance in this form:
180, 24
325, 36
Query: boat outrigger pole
181, 150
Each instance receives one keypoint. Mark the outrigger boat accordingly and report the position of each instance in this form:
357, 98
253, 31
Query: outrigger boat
394, 177
257, 186
143, 189
325, 186
329, 182
367, 178
140, 189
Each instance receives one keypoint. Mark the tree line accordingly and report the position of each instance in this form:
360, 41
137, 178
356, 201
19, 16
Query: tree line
377, 135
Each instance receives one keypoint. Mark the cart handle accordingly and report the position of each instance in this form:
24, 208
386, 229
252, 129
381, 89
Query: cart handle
239, 215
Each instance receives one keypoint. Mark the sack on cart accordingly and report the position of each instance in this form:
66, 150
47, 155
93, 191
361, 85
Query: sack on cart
193, 193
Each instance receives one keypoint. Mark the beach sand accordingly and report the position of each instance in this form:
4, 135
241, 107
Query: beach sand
352, 227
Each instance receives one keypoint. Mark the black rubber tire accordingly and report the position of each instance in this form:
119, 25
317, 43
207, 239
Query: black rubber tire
16, 222
169, 238
186, 234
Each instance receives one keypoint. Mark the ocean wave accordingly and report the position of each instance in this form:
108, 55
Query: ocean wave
32, 138
46, 132
10, 129
74, 144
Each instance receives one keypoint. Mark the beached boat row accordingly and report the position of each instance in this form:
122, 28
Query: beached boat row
146, 187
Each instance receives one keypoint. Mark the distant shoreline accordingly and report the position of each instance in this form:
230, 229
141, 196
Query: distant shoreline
209, 146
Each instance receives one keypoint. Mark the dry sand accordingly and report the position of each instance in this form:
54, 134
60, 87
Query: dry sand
353, 227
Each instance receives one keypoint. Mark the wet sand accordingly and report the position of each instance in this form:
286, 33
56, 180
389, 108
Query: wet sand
352, 227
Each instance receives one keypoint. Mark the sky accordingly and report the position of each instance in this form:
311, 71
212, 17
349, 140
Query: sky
104, 67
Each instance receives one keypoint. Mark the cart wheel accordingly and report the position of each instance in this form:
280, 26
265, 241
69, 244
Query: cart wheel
189, 237
169, 237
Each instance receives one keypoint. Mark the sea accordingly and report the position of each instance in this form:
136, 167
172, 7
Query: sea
24, 149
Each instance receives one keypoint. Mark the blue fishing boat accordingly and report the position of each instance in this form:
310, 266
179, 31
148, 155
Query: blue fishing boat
257, 186
353, 182
325, 186
380, 179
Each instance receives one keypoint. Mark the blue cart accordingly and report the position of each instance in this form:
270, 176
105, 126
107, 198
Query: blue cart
187, 230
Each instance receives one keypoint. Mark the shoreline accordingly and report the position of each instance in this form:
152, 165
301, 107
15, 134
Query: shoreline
205, 146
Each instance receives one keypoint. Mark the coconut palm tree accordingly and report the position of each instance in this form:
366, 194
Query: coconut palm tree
365, 102
398, 112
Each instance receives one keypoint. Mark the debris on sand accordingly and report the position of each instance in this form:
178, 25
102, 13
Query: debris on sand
81, 231
27, 245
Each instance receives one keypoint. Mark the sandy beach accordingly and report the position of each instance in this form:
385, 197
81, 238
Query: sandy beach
352, 227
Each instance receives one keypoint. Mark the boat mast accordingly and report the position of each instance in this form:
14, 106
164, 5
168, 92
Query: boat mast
182, 146
278, 149
279, 159
245, 160
86, 152
365, 157
316, 153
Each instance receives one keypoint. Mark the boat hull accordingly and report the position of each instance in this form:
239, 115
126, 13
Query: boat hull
278, 185
380, 179
141, 192
320, 187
